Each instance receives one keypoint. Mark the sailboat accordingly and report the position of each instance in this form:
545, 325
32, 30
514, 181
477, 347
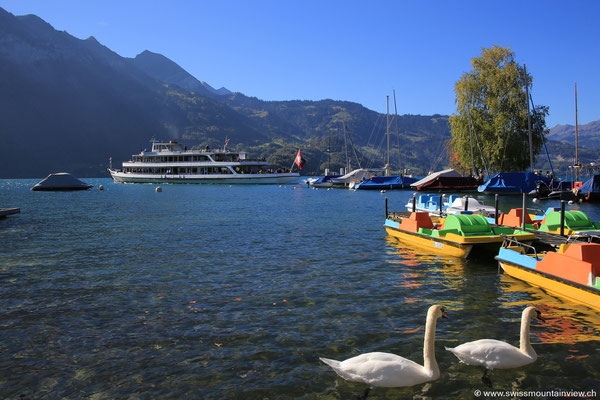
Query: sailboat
325, 181
590, 189
387, 181
349, 179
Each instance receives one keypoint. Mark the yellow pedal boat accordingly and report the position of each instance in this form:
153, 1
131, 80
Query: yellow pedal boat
456, 235
572, 272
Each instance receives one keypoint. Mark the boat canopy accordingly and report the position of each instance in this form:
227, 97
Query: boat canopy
355, 175
513, 182
431, 177
61, 181
386, 182
592, 185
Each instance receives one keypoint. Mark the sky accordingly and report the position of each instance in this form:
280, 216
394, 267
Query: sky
351, 50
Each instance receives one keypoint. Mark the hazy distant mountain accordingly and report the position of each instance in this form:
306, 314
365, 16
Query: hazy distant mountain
165, 70
69, 104
589, 134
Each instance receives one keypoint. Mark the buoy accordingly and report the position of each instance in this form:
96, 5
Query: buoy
570, 201
328, 188
158, 189
535, 200
580, 201
100, 187
383, 191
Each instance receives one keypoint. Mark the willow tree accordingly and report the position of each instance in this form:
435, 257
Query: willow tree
490, 127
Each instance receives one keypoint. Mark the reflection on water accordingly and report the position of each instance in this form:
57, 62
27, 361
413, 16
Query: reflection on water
566, 322
220, 292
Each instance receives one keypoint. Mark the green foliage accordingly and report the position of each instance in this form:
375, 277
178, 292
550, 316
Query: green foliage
492, 99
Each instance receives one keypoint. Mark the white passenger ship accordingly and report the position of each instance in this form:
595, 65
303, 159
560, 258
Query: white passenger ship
169, 162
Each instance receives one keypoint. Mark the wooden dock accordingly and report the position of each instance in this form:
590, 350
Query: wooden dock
549, 241
8, 211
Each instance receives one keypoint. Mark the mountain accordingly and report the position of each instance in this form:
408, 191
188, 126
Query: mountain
68, 104
165, 70
589, 134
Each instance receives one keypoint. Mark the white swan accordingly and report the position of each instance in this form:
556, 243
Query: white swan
495, 354
390, 370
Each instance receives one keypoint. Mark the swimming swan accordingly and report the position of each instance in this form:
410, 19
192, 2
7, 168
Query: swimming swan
495, 354
390, 370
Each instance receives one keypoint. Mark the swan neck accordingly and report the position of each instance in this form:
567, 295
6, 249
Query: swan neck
429, 361
525, 345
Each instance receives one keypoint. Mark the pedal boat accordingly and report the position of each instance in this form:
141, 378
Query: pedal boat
456, 235
572, 272
576, 223
451, 204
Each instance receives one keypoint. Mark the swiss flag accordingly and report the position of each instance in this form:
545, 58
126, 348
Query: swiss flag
299, 161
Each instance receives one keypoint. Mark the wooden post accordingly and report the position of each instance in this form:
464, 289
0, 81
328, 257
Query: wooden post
562, 217
386, 208
466, 203
441, 203
414, 201
496, 206
524, 215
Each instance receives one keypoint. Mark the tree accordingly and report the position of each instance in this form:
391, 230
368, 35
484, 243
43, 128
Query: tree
491, 114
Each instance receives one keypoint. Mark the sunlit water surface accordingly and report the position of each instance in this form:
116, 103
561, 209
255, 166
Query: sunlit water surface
220, 292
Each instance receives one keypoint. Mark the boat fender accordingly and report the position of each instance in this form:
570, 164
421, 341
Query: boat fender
158, 189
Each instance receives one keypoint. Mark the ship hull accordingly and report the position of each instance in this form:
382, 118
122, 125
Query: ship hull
255, 179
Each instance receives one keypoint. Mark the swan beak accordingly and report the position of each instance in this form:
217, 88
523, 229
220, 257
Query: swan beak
539, 317
444, 313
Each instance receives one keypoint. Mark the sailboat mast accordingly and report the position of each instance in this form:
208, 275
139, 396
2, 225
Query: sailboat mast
576, 138
387, 165
528, 118
347, 167
473, 169
400, 166
329, 153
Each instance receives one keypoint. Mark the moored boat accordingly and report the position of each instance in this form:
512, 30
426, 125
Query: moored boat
575, 223
351, 178
456, 235
513, 183
590, 190
169, 162
390, 182
572, 272
446, 181
451, 204
323, 182
61, 182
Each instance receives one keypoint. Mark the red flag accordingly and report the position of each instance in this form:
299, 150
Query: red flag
299, 161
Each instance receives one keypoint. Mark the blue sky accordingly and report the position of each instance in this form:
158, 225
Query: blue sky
351, 50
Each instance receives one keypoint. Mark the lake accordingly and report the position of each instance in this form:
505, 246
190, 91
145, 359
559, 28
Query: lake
219, 292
